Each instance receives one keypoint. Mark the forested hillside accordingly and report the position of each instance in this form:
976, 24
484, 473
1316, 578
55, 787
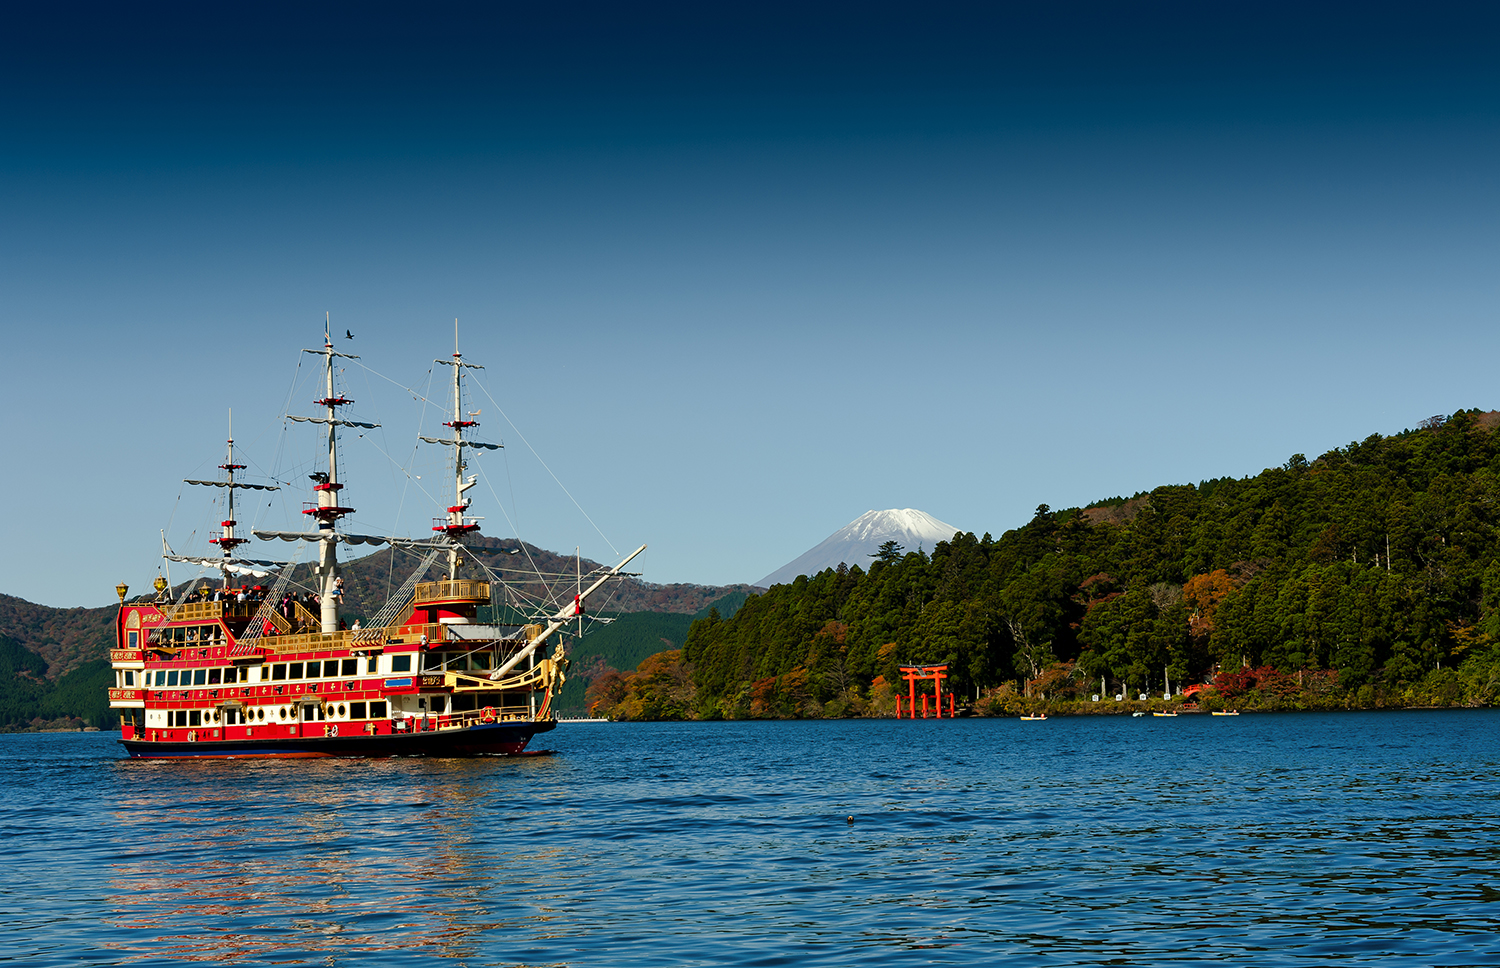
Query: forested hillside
622, 643
1368, 576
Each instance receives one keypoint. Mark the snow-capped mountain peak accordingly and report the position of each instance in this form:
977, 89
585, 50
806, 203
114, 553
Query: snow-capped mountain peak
856, 541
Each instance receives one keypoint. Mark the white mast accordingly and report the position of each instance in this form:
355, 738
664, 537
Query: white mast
455, 525
328, 511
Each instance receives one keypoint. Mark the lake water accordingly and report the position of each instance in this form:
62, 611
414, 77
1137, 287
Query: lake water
1355, 839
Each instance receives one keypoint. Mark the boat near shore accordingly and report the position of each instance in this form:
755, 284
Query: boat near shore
251, 670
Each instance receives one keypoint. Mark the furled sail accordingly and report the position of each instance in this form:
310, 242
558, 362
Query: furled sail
371, 539
335, 421
236, 566
460, 443
253, 487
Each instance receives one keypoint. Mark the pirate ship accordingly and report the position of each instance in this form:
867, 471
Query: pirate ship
247, 670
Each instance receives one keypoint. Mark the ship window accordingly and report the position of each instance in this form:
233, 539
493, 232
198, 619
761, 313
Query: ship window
432, 661
372, 665
294, 671
480, 661
281, 712
458, 663
129, 677
161, 678
278, 672
465, 702
195, 718
214, 674
438, 703
260, 713
135, 639
351, 668
400, 663
307, 713
200, 677
377, 710
172, 677
341, 709
330, 668
356, 710
244, 673
182, 717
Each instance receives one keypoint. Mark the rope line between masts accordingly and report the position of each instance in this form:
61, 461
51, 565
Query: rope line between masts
548, 468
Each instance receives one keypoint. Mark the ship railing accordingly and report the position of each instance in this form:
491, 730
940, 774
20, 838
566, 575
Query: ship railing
447, 591
305, 642
490, 714
363, 638
209, 611
194, 612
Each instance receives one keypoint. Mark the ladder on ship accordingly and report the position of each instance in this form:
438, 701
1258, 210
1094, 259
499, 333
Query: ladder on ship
399, 602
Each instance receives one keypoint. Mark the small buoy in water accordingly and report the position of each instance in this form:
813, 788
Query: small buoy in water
850, 820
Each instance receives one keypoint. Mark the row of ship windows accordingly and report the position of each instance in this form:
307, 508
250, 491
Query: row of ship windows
281, 671
242, 717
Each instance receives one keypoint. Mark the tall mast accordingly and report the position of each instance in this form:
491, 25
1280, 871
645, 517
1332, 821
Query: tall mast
227, 542
455, 525
326, 485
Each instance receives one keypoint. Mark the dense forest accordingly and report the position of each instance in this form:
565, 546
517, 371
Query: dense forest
1367, 577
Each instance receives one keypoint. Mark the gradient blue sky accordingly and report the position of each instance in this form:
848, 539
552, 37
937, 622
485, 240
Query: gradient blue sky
739, 274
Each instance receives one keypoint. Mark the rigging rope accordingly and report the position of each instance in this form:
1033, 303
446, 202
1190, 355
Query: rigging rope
546, 467
268, 604
397, 602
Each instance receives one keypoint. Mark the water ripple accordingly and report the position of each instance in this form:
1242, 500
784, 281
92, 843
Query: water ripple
1361, 840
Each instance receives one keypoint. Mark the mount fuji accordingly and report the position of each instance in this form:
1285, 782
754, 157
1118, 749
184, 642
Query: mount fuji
856, 541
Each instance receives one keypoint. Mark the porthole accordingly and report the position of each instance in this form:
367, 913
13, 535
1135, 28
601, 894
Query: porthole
341, 709
281, 712
260, 714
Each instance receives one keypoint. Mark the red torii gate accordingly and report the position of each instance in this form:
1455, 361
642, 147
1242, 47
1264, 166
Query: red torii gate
915, 674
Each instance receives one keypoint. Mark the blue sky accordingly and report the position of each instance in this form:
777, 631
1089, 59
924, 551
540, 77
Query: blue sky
737, 274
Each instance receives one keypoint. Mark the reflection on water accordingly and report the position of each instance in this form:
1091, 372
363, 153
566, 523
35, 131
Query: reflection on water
286, 861
1278, 840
